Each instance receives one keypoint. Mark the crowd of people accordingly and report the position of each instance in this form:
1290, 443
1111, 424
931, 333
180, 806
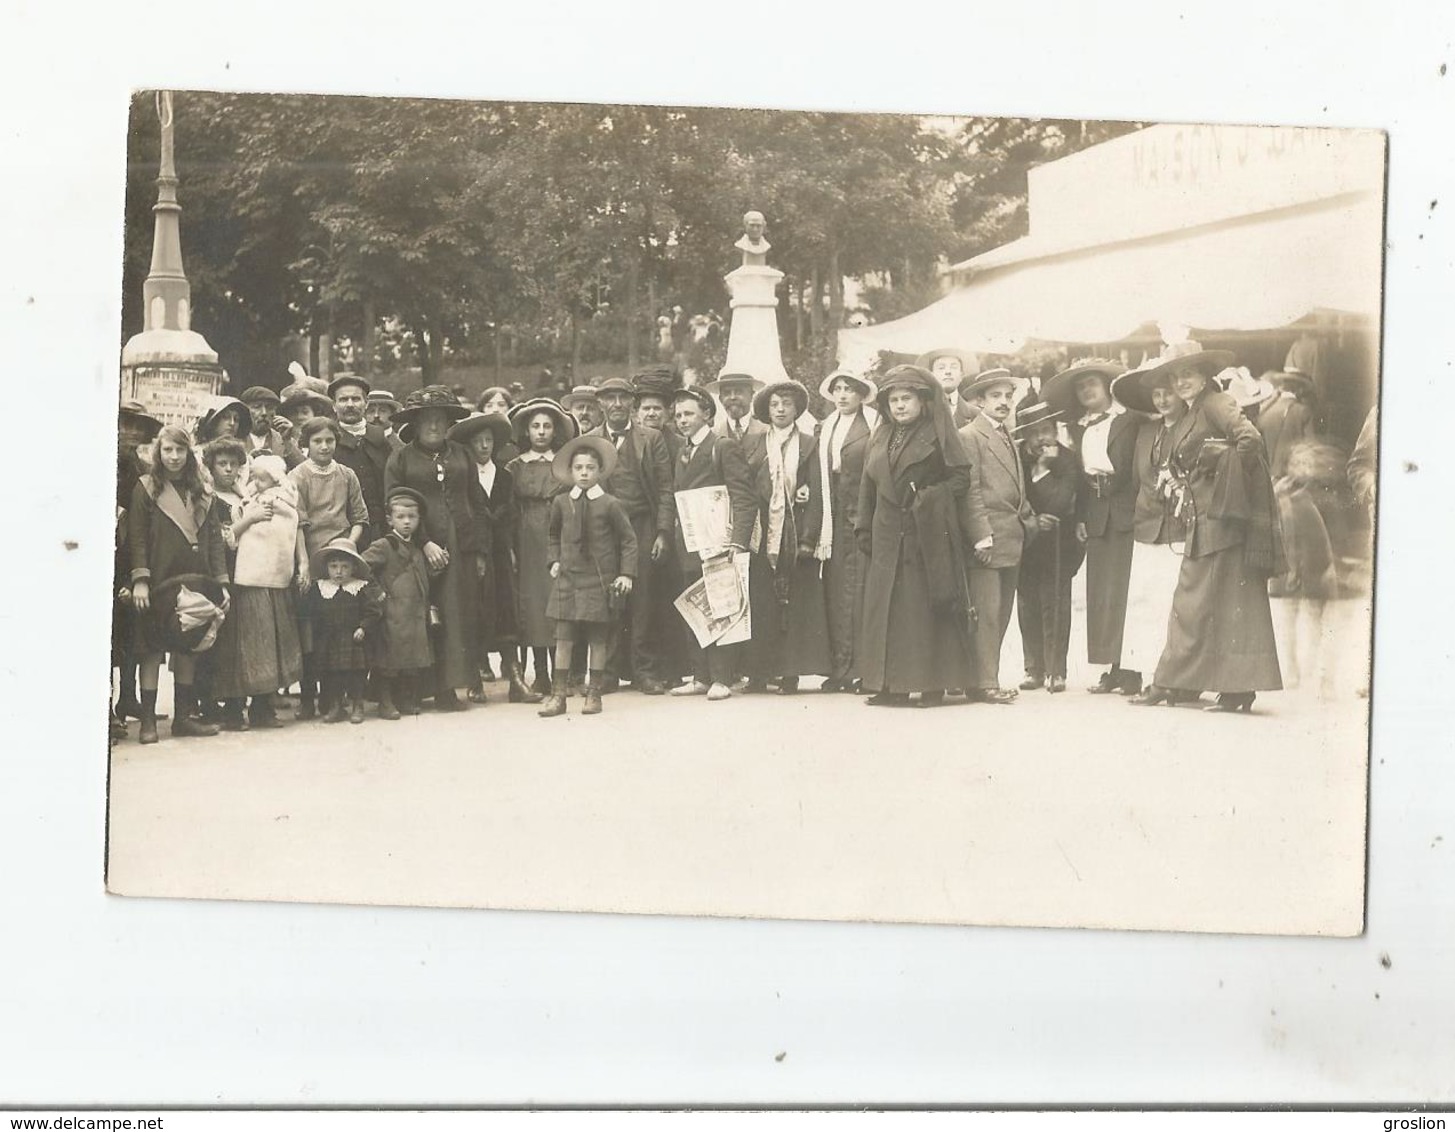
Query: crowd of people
365, 553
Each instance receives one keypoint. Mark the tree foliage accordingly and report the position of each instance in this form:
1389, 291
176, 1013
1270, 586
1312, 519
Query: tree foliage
451, 224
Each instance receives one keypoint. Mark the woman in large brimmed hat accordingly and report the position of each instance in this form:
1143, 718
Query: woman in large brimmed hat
440, 469
226, 416
1220, 635
135, 428
785, 583
541, 427
843, 443
1158, 530
916, 476
1061, 392
490, 440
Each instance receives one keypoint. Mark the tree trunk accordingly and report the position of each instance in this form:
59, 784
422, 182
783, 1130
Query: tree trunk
499, 355
325, 347
836, 292
797, 293
633, 314
576, 341
366, 356
815, 307
422, 335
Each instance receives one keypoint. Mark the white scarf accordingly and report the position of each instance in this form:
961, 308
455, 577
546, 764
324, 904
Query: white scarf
783, 446
830, 457
354, 429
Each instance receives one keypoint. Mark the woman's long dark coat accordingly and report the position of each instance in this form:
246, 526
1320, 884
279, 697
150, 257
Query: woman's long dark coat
908, 644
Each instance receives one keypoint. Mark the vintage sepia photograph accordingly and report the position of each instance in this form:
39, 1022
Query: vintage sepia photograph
745, 512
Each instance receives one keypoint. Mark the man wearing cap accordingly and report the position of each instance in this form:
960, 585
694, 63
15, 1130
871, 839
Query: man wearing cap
583, 404
1105, 436
363, 448
707, 459
263, 434
642, 483
379, 409
1000, 522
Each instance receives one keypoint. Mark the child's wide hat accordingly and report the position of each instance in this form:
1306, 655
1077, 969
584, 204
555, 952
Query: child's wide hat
337, 548
604, 449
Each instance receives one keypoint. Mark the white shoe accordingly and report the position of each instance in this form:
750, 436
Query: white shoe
719, 692
691, 688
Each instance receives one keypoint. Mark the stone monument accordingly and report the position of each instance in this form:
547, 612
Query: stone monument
169, 367
753, 346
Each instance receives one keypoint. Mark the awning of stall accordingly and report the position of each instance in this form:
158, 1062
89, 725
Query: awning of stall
1095, 270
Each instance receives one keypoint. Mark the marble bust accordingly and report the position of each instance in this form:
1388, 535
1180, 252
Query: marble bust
751, 243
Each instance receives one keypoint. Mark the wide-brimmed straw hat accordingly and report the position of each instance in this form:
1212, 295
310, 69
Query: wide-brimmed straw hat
1177, 354
136, 413
724, 379
497, 423
578, 395
970, 388
348, 379
926, 361
438, 397
1240, 384
604, 449
318, 563
867, 389
791, 388
1060, 391
520, 415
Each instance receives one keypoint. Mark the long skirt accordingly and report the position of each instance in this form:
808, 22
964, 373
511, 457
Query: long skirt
257, 649
1220, 634
495, 605
533, 586
1155, 568
843, 580
1108, 571
454, 643
790, 638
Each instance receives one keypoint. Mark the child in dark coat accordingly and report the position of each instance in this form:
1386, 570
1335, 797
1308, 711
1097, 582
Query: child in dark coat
344, 608
397, 560
592, 550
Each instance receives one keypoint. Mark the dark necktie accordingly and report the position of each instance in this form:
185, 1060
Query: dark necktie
617, 438
687, 452
1096, 419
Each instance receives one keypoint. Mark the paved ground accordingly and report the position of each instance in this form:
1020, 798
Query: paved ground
1064, 810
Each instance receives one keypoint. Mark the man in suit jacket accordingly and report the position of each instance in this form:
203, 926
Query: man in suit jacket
363, 448
954, 371
1105, 436
642, 482
736, 392
1001, 524
707, 459
263, 436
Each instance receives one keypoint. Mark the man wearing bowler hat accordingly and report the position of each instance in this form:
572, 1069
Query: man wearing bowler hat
736, 392
363, 448
642, 483
707, 459
1105, 436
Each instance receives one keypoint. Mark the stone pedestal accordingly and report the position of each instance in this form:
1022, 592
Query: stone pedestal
753, 346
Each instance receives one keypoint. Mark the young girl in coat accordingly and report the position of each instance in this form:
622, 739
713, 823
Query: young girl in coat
593, 558
343, 607
541, 427
173, 534
226, 461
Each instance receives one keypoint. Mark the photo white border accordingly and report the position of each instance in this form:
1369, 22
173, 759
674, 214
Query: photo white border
119, 1001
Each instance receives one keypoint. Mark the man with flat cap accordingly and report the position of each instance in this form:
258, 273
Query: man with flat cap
264, 436
362, 447
642, 483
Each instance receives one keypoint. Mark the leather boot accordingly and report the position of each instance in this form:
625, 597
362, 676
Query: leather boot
387, 710
148, 710
542, 685
593, 695
519, 693
183, 725
556, 703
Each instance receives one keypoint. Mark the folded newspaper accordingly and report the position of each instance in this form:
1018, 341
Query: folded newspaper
696, 605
